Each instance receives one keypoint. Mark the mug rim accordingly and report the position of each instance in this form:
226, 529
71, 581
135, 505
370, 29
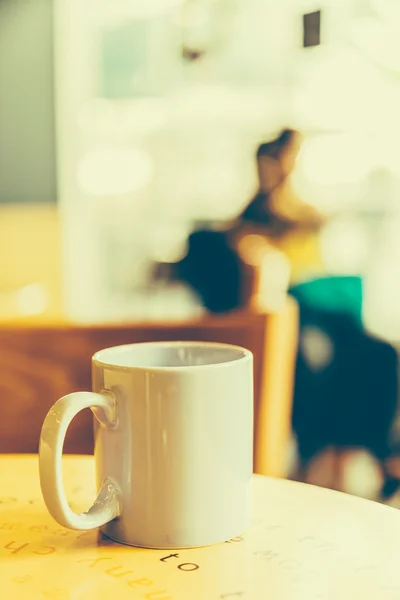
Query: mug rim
246, 355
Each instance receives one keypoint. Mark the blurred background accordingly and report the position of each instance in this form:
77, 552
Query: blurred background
127, 125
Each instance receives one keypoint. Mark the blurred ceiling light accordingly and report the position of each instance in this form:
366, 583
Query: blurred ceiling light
123, 118
114, 171
336, 159
32, 299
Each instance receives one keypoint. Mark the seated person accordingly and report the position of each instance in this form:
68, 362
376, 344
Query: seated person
217, 269
278, 213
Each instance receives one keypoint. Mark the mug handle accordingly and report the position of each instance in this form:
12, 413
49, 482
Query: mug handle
107, 505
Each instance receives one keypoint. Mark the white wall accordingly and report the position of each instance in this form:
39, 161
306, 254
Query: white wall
27, 160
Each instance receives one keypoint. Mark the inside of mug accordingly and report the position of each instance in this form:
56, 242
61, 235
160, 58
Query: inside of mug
170, 354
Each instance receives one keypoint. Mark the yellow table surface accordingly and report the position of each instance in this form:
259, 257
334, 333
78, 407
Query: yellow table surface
304, 542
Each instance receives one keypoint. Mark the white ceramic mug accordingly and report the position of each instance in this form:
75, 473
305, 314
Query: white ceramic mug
173, 444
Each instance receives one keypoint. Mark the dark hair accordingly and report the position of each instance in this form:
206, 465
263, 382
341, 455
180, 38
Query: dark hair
274, 148
213, 270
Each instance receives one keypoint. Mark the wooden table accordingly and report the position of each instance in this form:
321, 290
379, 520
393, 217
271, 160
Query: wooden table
304, 543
